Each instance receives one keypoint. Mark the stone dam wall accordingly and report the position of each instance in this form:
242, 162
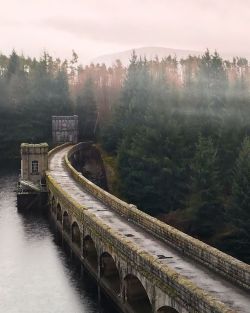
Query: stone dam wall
190, 297
231, 268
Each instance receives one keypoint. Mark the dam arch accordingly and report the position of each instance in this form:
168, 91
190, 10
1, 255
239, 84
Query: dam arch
167, 309
59, 213
76, 234
90, 252
109, 272
66, 222
136, 295
53, 204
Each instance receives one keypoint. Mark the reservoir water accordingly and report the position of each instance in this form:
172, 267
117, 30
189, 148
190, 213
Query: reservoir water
36, 275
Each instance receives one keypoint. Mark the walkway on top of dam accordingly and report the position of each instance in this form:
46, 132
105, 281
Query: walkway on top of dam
224, 291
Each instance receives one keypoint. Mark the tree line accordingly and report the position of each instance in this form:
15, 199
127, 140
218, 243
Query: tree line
180, 134
178, 130
32, 90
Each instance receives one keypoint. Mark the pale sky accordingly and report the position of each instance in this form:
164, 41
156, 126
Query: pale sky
97, 27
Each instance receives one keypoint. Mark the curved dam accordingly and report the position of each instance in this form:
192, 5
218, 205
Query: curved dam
142, 264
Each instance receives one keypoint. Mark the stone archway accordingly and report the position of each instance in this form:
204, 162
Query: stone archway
59, 213
76, 235
53, 205
167, 309
109, 272
90, 252
66, 222
136, 295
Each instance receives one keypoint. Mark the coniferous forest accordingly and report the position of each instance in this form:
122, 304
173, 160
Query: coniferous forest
177, 130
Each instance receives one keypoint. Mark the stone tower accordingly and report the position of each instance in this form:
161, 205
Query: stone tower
34, 161
65, 129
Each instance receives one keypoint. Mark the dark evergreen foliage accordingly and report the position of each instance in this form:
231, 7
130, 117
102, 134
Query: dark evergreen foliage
31, 92
239, 211
175, 129
86, 110
177, 145
205, 191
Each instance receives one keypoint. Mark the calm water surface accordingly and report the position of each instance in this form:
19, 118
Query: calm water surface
36, 276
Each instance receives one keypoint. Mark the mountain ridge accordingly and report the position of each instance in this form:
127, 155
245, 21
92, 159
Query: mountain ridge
148, 52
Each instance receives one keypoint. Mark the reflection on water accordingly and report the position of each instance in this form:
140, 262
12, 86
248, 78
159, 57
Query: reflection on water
36, 276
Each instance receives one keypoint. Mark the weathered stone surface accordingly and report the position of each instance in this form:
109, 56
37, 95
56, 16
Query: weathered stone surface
34, 153
232, 268
163, 283
65, 129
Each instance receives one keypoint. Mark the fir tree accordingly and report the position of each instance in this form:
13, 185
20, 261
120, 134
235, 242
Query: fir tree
205, 188
238, 242
241, 187
86, 110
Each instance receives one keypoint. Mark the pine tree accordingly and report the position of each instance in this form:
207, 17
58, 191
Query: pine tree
136, 96
241, 186
13, 65
205, 188
238, 243
211, 84
86, 110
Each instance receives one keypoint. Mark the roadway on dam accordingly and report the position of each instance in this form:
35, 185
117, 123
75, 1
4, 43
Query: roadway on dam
222, 290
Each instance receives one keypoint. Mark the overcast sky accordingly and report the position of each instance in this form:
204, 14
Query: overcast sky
96, 27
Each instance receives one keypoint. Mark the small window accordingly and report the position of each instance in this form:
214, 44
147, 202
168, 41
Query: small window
34, 167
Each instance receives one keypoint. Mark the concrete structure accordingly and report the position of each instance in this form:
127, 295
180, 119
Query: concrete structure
34, 162
143, 264
65, 129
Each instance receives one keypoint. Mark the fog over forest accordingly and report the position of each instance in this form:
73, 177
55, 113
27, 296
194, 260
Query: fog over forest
177, 132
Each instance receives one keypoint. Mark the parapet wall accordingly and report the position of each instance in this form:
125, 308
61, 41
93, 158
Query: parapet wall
58, 148
184, 291
231, 268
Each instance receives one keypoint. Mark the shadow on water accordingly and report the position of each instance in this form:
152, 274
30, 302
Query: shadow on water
36, 272
36, 227
10, 167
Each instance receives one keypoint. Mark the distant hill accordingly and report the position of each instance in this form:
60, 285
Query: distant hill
148, 52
